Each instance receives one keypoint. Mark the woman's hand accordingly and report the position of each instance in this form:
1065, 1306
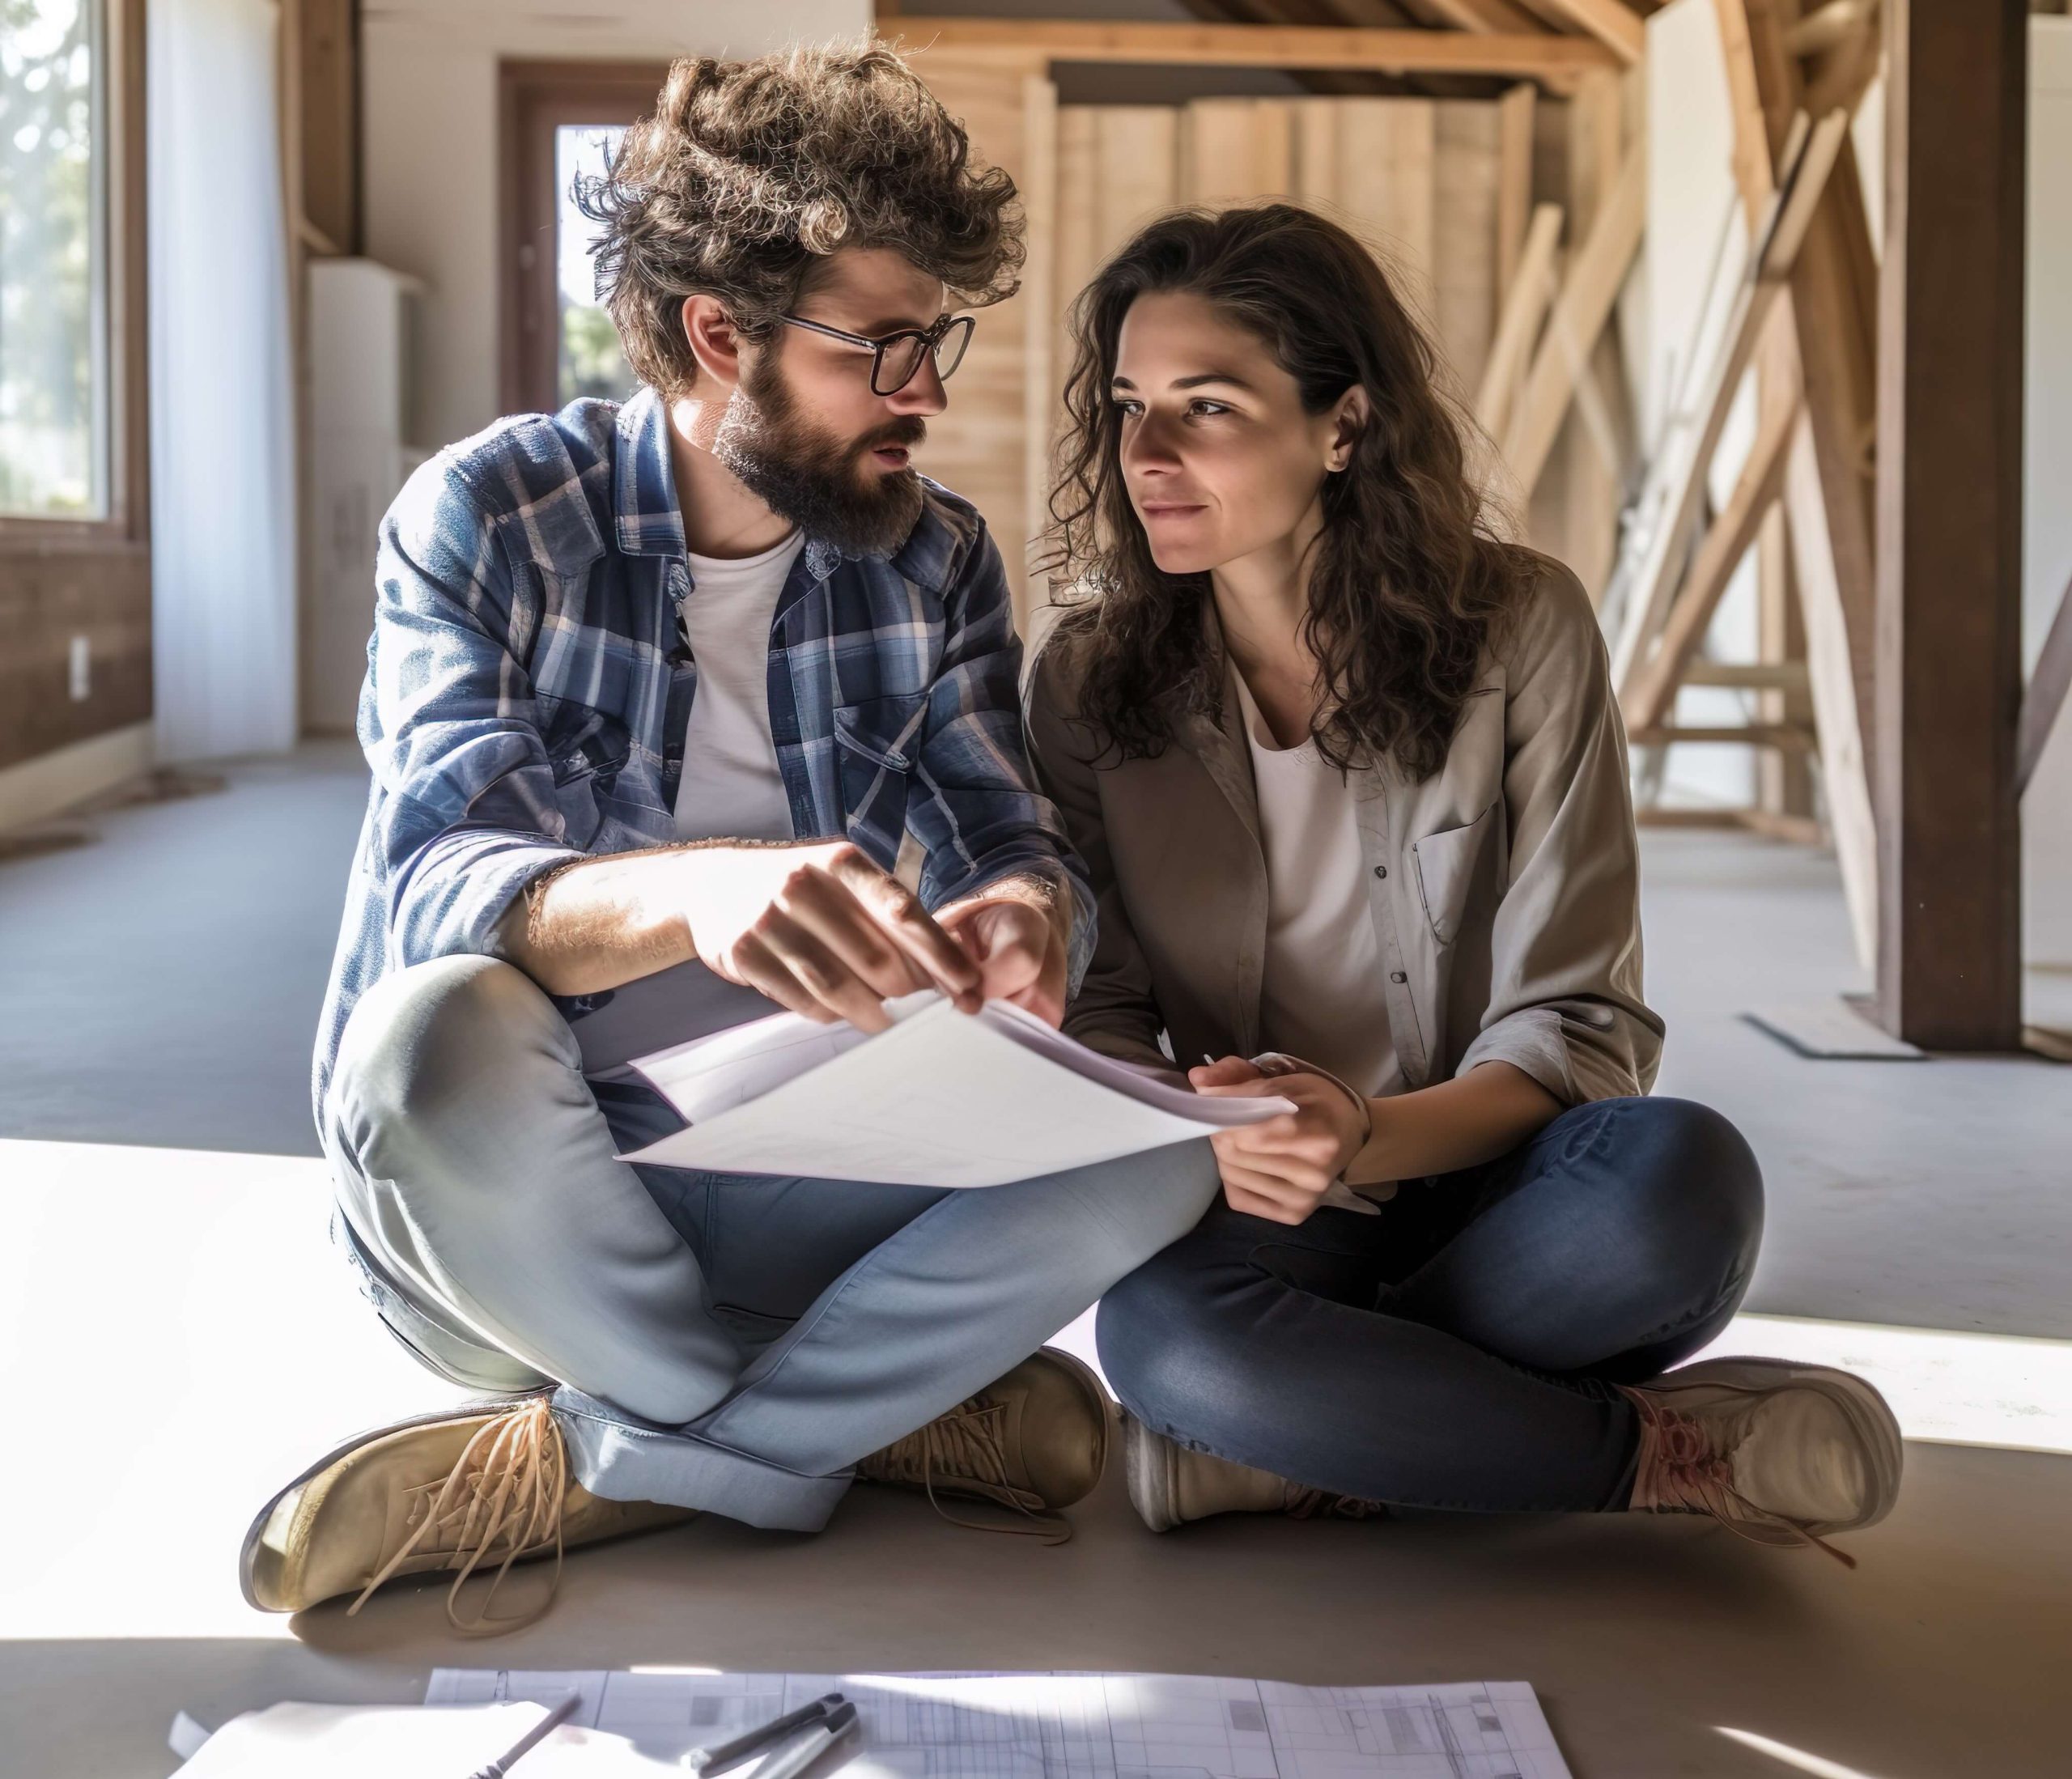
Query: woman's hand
1280, 1169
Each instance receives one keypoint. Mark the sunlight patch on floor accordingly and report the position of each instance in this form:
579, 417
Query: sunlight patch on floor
185, 1311
1798, 1759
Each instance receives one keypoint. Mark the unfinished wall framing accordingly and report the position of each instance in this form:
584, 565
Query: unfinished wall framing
1445, 191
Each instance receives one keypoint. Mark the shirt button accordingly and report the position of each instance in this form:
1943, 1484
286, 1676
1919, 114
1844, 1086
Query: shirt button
1381, 871
1397, 975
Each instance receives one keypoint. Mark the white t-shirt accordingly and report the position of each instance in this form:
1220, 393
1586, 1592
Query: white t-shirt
1321, 995
732, 788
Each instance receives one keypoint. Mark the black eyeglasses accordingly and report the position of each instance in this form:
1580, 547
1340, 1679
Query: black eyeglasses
896, 358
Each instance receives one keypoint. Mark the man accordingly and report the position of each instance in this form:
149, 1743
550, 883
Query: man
679, 712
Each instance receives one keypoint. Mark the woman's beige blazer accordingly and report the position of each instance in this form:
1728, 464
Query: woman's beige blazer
1504, 891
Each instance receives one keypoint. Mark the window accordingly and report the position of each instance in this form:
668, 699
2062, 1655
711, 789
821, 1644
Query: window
53, 270
587, 356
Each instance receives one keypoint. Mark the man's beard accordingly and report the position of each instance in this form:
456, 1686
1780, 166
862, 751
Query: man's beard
817, 482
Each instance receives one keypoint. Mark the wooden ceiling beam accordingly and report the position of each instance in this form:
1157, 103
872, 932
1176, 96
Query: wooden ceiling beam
1496, 15
1611, 22
1381, 14
1546, 56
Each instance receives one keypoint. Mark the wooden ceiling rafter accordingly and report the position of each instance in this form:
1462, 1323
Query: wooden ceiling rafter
1556, 60
1385, 14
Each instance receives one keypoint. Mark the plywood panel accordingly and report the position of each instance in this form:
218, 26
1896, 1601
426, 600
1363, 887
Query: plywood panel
1235, 151
1467, 200
1371, 163
1039, 330
1081, 169
1515, 129
978, 446
1139, 175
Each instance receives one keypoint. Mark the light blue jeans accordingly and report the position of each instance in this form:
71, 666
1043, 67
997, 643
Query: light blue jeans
732, 1343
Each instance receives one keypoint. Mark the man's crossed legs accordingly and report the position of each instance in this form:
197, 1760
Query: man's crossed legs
727, 1343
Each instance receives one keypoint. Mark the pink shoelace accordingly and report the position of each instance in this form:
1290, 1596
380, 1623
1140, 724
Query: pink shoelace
1680, 1472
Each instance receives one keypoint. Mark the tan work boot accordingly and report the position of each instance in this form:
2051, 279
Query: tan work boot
1035, 1440
1781, 1453
1170, 1485
484, 1484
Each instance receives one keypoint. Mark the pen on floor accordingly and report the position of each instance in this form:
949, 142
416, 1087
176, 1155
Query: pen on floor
730, 1754
531, 1739
794, 1757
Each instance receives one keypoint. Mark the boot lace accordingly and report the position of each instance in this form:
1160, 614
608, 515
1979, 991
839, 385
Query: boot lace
966, 1451
503, 1496
1679, 1471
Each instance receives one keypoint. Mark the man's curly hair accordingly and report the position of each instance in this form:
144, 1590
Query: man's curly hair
749, 174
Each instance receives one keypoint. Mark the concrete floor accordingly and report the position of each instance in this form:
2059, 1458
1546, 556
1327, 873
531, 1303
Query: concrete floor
167, 1288
161, 988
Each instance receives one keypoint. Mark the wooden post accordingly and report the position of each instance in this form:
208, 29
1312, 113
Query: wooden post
1949, 524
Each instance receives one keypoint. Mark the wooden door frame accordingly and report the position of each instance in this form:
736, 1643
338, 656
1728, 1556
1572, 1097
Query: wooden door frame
534, 99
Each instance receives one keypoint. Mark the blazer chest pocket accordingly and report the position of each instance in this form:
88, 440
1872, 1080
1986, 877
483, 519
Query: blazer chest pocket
875, 744
1445, 863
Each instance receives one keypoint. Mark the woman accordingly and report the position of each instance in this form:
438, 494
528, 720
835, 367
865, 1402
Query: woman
1348, 774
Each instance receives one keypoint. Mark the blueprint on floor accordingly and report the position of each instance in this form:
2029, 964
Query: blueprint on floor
1064, 1725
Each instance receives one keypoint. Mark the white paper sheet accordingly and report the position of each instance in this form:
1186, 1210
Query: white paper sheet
1062, 1725
944, 1098
366, 1741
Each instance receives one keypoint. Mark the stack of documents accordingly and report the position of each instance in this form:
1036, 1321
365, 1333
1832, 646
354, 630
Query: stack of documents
944, 1098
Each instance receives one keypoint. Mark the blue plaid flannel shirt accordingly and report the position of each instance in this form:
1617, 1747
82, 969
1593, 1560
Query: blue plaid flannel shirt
526, 695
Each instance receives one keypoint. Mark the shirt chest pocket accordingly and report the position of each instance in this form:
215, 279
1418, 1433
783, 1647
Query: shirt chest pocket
1456, 856
1447, 864
876, 745
586, 750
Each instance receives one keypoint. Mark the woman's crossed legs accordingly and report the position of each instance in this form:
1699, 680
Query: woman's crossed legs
1462, 1349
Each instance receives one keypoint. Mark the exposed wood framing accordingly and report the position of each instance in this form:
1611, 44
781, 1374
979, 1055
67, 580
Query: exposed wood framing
1826, 492
1476, 14
1596, 450
1800, 830
1783, 785
1949, 534
1842, 725
1834, 309
1526, 298
1611, 22
1796, 740
1654, 571
1514, 125
1830, 27
2045, 700
1038, 186
1579, 314
1547, 55
1652, 687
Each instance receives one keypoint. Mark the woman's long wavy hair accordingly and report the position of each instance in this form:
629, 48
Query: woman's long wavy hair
1408, 577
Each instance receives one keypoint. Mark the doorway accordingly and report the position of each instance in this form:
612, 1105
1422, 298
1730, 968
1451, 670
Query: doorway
560, 121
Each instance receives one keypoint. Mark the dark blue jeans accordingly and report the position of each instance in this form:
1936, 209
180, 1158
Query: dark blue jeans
1460, 1349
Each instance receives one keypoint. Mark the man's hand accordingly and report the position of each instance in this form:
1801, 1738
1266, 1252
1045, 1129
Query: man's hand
820, 929
1018, 933
1280, 1169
